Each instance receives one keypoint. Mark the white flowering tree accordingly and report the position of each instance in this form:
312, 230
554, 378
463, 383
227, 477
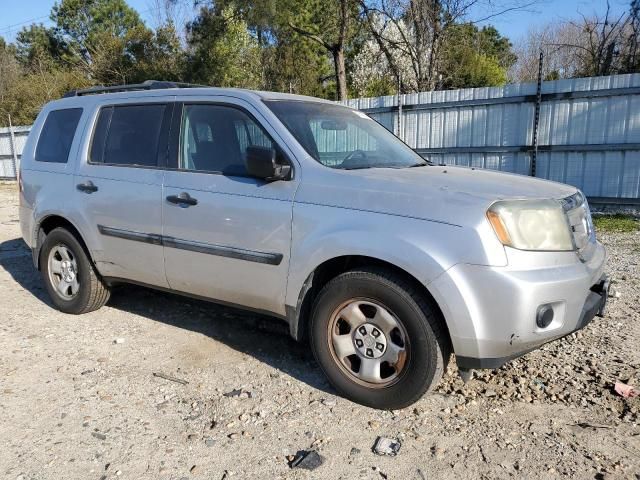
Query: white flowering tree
383, 60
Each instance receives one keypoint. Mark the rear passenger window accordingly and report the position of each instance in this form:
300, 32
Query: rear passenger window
128, 135
57, 134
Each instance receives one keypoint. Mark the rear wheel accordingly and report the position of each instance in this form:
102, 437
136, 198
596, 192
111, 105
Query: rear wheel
69, 276
378, 339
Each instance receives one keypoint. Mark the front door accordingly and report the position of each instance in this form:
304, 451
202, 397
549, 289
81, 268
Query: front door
119, 184
226, 235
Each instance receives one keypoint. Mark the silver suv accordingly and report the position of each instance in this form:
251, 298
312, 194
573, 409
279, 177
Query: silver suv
311, 212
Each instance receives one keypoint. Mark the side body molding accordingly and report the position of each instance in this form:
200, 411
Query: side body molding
199, 247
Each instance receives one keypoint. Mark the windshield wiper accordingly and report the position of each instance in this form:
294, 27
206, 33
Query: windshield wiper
425, 164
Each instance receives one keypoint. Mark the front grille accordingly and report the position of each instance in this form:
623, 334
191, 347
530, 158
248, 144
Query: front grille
579, 216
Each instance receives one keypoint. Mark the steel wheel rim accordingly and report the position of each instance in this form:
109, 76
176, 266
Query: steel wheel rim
368, 342
63, 272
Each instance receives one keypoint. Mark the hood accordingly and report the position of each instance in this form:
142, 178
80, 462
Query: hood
447, 194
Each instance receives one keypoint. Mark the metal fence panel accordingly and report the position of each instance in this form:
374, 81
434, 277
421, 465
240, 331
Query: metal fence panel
7, 144
589, 130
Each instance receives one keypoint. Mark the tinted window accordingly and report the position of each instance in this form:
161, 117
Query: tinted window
57, 134
128, 135
215, 139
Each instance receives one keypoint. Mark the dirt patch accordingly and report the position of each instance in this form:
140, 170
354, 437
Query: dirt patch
78, 398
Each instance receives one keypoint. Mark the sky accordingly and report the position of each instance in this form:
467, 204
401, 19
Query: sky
515, 25
16, 14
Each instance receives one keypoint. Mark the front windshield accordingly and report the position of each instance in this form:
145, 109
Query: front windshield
339, 137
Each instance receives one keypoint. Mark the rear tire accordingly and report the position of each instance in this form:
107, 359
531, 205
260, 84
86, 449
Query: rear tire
69, 276
380, 341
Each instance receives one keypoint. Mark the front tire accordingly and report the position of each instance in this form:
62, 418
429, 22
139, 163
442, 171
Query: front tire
380, 341
69, 276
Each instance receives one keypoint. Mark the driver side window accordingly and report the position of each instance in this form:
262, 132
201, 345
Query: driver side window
215, 138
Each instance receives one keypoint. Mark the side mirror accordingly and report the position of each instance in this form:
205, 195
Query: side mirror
261, 163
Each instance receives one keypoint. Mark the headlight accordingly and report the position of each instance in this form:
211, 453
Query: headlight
531, 224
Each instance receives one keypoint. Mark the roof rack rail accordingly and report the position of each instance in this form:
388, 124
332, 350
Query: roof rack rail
146, 85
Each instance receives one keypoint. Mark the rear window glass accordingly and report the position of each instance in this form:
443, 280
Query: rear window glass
57, 134
128, 135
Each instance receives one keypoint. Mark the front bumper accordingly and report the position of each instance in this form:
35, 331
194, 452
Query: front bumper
491, 311
594, 305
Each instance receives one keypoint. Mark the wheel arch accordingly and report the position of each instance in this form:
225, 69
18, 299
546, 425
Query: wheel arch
298, 316
49, 223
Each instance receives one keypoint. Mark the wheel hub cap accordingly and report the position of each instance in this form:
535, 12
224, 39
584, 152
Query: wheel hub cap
63, 272
369, 341
67, 271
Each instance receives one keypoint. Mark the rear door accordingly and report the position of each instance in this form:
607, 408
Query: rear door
119, 183
227, 235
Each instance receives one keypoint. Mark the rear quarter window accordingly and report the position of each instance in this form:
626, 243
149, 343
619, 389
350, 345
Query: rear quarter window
57, 135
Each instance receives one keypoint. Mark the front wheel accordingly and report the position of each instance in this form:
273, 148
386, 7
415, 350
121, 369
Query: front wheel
378, 339
69, 276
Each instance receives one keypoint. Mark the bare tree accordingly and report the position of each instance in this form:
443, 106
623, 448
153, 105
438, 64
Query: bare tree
603, 39
595, 45
417, 30
559, 61
173, 12
631, 58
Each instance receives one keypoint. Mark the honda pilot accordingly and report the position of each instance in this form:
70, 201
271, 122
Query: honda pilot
311, 212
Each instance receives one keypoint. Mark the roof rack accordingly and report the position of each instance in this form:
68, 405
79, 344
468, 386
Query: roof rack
146, 85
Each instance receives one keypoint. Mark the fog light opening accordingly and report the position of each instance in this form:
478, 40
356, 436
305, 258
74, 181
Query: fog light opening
544, 317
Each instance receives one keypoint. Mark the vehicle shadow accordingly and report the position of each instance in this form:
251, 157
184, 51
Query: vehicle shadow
260, 336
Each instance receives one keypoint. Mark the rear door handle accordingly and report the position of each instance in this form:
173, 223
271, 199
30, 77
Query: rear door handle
87, 187
184, 199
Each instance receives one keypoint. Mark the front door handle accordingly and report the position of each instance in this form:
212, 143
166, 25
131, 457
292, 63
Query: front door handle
184, 199
87, 187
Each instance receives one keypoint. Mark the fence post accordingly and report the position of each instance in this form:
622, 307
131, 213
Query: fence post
14, 150
400, 134
536, 118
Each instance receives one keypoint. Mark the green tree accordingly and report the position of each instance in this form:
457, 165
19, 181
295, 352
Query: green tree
163, 56
289, 61
139, 55
474, 57
474, 69
25, 98
85, 23
10, 73
110, 43
298, 65
492, 44
93, 41
221, 50
332, 24
37, 43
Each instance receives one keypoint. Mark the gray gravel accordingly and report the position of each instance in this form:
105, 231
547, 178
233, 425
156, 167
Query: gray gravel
79, 398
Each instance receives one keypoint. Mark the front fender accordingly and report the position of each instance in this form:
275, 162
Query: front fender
424, 249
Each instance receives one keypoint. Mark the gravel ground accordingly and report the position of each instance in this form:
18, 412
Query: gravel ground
78, 398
